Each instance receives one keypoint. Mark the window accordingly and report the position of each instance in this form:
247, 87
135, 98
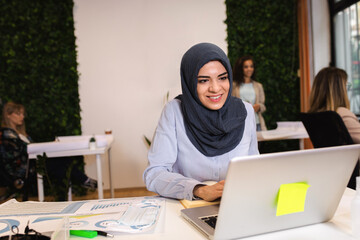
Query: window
346, 46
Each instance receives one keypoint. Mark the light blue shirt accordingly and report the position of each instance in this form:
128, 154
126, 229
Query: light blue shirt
176, 166
247, 94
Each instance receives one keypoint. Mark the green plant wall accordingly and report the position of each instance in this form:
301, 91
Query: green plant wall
38, 68
267, 30
38, 65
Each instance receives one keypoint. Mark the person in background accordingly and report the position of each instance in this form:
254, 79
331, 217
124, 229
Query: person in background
14, 156
249, 90
329, 93
201, 130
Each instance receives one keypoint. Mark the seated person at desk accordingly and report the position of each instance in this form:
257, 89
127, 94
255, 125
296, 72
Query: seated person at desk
14, 156
329, 93
200, 131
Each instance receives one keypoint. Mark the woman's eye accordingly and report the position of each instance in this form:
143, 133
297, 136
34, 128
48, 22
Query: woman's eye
202, 80
224, 78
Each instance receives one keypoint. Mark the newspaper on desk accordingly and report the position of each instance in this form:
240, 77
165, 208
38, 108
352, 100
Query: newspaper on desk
131, 215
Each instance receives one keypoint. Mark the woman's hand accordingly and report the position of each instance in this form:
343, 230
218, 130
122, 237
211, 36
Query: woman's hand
256, 107
209, 193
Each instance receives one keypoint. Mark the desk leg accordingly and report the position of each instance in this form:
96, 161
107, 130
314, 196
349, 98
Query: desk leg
99, 176
40, 187
112, 194
70, 193
302, 143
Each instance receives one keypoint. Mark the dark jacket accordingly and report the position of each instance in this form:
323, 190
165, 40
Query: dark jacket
13, 157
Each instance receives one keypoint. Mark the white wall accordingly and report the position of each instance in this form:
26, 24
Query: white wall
129, 54
321, 35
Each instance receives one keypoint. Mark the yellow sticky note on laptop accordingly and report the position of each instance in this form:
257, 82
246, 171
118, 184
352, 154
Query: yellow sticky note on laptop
291, 198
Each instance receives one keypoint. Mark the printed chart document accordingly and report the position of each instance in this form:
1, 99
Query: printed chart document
131, 215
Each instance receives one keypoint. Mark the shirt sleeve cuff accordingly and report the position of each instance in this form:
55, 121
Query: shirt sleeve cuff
190, 191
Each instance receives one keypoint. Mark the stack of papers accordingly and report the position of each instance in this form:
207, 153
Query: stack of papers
131, 215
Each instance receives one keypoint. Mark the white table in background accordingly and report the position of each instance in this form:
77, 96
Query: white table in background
172, 226
285, 131
77, 152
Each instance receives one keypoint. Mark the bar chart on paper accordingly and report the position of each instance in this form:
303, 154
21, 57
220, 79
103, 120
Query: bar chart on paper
131, 215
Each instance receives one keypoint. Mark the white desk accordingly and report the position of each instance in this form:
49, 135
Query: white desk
65, 152
172, 226
285, 131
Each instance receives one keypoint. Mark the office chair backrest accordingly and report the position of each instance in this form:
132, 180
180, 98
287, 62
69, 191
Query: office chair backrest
327, 129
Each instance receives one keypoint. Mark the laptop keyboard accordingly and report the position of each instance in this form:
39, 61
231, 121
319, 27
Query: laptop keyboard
210, 220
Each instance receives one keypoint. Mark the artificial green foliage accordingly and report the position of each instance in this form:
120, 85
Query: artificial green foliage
38, 66
267, 30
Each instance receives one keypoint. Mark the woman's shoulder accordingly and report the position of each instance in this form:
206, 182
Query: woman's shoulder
249, 109
342, 111
173, 104
238, 101
173, 107
236, 84
256, 83
9, 133
235, 91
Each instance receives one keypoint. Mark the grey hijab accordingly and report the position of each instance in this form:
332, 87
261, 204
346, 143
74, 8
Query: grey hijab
212, 132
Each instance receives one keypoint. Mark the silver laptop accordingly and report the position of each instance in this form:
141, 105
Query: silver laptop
251, 203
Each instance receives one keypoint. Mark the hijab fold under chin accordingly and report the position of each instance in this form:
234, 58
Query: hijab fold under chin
212, 132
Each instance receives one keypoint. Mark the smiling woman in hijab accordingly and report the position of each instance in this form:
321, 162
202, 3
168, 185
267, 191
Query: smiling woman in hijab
200, 131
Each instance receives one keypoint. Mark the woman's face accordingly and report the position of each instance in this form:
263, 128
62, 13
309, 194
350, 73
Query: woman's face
213, 85
248, 68
16, 118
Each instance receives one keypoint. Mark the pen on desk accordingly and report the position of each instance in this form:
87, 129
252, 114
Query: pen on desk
101, 233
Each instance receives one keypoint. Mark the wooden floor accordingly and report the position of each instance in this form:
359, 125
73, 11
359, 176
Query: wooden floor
119, 193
